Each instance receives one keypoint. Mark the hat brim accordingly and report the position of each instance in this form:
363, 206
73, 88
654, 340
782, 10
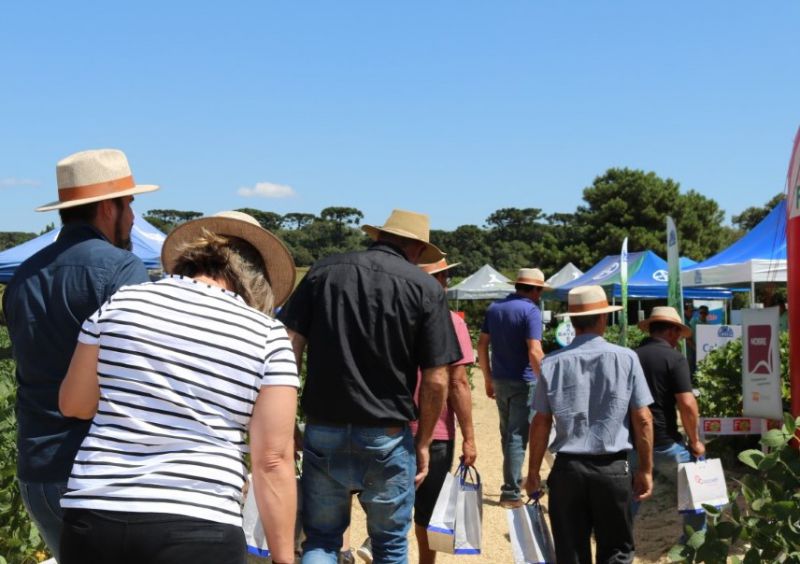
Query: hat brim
644, 325
430, 254
448, 267
537, 283
607, 309
277, 258
138, 189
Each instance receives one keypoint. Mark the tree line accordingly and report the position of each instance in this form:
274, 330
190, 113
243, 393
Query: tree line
620, 203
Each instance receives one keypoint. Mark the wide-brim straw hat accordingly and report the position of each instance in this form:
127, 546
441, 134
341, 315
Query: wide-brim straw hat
587, 300
438, 266
665, 314
277, 258
410, 225
531, 277
92, 176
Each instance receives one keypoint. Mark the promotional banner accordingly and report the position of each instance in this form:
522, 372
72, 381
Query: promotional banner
793, 269
623, 284
710, 337
674, 288
761, 364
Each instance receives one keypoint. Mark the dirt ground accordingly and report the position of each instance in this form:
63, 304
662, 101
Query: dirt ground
657, 525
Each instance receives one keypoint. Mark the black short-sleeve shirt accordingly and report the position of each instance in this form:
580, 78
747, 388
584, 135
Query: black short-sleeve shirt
370, 318
667, 374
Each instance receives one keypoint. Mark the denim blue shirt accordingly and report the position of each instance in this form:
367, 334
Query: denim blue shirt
590, 387
510, 323
45, 302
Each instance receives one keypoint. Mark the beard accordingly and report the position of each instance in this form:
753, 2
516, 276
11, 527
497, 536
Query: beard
122, 240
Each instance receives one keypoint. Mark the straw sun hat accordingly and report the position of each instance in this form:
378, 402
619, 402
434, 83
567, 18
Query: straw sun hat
665, 314
438, 266
531, 277
410, 225
92, 176
587, 300
277, 259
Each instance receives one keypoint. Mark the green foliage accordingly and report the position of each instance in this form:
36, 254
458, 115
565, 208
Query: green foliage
165, 220
20, 542
764, 511
751, 217
635, 335
10, 239
719, 379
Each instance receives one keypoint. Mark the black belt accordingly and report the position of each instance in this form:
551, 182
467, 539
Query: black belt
605, 457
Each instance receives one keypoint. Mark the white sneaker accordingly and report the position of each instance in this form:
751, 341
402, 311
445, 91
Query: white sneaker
365, 551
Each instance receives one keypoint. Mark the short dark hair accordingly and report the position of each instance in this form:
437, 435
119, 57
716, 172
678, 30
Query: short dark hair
584, 322
85, 213
703, 309
660, 326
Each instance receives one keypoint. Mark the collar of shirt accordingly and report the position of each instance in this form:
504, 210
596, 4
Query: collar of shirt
586, 338
387, 247
657, 341
516, 296
78, 229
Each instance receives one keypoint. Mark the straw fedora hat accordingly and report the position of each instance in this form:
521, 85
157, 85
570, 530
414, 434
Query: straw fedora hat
531, 277
410, 225
587, 300
438, 266
91, 176
277, 259
665, 314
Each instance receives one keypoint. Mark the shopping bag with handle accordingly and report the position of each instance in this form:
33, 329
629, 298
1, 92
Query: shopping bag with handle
254, 536
469, 511
442, 525
701, 483
531, 542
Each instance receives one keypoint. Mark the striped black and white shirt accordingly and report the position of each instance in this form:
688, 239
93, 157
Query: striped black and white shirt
180, 366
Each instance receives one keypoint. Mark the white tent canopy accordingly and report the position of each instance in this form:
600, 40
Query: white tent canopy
483, 284
567, 274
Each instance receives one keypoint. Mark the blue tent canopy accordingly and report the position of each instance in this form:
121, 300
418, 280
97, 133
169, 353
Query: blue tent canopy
759, 256
147, 241
647, 279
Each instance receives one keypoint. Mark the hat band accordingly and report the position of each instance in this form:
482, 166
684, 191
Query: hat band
530, 281
581, 308
73, 193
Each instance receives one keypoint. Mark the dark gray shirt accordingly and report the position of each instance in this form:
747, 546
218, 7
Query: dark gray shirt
370, 318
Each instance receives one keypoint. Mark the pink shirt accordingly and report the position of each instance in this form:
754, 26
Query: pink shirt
445, 429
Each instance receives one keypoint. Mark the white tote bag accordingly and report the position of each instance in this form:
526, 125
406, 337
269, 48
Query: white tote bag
531, 542
254, 535
701, 483
442, 526
469, 512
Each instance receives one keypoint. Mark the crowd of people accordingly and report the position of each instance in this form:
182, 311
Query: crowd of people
139, 401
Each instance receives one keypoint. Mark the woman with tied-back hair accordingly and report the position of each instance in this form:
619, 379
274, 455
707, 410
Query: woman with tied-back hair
175, 374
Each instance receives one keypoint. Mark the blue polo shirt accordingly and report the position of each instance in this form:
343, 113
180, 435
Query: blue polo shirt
45, 303
509, 323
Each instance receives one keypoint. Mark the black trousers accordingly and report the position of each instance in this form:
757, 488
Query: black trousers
102, 537
591, 494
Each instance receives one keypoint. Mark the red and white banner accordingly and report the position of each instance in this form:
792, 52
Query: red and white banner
732, 426
793, 269
761, 370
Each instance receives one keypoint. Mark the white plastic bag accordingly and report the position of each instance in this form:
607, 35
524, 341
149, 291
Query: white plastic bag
701, 483
456, 522
531, 542
254, 535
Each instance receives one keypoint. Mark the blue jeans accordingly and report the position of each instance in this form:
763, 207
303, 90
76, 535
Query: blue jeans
375, 463
43, 503
665, 465
513, 404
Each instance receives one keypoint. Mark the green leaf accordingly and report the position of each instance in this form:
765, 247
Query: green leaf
679, 553
751, 457
768, 462
726, 530
696, 540
712, 510
758, 504
790, 423
774, 438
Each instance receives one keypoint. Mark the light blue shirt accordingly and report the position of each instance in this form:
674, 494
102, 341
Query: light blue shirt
590, 387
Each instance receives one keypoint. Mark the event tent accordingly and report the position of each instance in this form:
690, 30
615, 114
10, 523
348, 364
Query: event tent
647, 279
567, 274
759, 256
147, 241
483, 284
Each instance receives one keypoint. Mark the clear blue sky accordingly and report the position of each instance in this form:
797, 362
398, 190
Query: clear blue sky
452, 107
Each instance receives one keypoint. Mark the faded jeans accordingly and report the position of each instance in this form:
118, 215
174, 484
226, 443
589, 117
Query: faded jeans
43, 503
514, 407
375, 463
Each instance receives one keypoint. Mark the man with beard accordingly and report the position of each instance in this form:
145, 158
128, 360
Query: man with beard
45, 303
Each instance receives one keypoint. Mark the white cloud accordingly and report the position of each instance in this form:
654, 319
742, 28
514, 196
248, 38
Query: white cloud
266, 190
13, 182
